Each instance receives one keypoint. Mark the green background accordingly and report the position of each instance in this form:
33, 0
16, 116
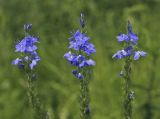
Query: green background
53, 20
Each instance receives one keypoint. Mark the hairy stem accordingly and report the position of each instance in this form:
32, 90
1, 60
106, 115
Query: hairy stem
34, 100
127, 92
84, 99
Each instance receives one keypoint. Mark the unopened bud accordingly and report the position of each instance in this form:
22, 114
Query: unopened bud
82, 21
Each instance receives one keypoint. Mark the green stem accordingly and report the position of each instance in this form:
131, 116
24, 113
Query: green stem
127, 92
84, 99
34, 100
84, 83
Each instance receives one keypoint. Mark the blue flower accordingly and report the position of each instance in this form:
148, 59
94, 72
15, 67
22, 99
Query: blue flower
89, 49
79, 41
74, 72
129, 50
34, 55
86, 63
17, 61
126, 38
130, 37
133, 38
123, 37
26, 58
137, 54
120, 54
123, 53
78, 60
73, 58
80, 76
69, 56
77, 74
33, 63
34, 59
27, 44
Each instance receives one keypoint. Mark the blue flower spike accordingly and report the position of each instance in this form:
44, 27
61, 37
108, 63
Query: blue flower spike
27, 61
131, 40
128, 53
80, 49
79, 56
27, 46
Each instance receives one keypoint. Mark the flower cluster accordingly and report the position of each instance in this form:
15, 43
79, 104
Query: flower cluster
131, 40
28, 47
79, 42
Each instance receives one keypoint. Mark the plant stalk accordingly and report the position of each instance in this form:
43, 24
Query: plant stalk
84, 99
34, 100
128, 94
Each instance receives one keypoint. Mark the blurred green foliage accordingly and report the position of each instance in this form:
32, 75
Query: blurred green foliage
53, 20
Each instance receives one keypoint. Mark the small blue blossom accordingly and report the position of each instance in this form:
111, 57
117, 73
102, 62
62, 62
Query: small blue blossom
77, 74
89, 48
79, 41
78, 60
17, 61
74, 72
26, 58
123, 37
73, 58
70, 56
133, 38
80, 76
28, 47
137, 54
120, 54
27, 44
123, 53
86, 63
33, 63
130, 37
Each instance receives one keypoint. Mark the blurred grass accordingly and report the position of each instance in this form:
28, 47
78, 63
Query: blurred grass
53, 20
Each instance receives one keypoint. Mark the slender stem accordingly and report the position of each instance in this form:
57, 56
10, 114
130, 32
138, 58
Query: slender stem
127, 92
84, 99
34, 100
84, 83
